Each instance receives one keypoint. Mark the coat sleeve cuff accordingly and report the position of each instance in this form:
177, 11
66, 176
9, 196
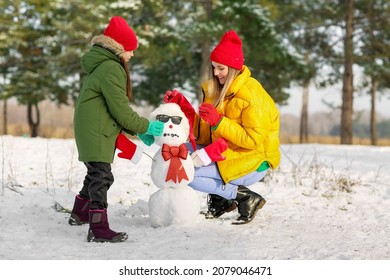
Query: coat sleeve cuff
204, 157
137, 155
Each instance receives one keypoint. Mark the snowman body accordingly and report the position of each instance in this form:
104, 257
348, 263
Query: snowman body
175, 203
173, 206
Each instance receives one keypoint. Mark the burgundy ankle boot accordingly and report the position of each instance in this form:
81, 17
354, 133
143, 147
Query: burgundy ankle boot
99, 230
80, 212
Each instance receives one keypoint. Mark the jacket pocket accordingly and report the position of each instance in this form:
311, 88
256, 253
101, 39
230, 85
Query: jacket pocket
109, 128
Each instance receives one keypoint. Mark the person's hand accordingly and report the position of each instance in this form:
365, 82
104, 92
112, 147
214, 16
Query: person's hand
128, 149
170, 96
215, 149
209, 114
146, 139
155, 128
178, 98
210, 153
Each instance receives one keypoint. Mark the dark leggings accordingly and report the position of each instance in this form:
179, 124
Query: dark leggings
98, 180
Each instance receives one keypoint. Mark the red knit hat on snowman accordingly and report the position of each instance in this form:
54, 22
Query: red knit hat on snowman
229, 51
121, 32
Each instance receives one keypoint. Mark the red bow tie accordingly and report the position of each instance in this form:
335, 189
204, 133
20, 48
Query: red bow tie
176, 171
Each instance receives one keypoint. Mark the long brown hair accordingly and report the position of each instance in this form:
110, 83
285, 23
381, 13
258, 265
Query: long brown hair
129, 89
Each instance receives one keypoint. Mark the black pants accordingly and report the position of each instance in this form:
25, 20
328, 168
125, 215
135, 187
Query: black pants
98, 180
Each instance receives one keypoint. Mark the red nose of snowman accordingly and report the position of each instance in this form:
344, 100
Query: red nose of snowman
170, 126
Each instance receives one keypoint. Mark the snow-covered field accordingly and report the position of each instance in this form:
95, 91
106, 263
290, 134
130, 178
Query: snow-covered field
325, 202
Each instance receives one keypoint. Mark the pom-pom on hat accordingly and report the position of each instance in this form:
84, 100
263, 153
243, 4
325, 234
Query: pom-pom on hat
229, 51
121, 32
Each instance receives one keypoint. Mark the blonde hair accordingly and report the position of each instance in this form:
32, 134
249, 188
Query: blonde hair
216, 91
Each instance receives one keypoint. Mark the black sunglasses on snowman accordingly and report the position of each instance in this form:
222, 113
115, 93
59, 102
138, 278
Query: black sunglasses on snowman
165, 118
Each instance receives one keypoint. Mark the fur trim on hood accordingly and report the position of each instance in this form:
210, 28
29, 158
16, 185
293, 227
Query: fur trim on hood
108, 43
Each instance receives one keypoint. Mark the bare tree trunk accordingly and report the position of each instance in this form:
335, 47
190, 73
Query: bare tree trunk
205, 52
204, 67
347, 106
34, 125
5, 109
5, 119
373, 130
304, 133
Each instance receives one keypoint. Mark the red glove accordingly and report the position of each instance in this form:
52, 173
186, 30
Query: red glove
128, 149
209, 154
171, 96
215, 149
209, 114
176, 97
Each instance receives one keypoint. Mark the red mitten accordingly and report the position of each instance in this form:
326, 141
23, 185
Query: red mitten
211, 153
128, 149
178, 98
209, 114
215, 149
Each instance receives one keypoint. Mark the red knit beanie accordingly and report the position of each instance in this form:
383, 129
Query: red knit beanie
121, 32
229, 51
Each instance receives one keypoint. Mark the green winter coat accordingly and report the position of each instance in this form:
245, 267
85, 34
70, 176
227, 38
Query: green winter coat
102, 108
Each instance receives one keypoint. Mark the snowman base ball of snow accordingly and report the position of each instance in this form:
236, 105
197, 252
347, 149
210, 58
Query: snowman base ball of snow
173, 206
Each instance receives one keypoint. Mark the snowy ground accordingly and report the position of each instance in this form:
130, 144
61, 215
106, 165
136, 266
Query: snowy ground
325, 202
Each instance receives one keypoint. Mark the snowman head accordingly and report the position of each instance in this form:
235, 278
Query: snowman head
176, 125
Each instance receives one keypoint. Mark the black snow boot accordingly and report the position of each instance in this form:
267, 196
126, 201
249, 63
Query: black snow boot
217, 206
248, 203
99, 229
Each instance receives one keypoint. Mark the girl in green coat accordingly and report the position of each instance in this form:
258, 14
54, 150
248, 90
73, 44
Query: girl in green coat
102, 112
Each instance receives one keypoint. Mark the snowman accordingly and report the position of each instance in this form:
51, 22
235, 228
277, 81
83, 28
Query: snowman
175, 203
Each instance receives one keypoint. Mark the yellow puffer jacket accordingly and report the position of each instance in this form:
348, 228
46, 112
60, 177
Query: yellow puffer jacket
250, 125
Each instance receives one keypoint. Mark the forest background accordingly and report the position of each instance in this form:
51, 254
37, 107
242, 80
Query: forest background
287, 44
